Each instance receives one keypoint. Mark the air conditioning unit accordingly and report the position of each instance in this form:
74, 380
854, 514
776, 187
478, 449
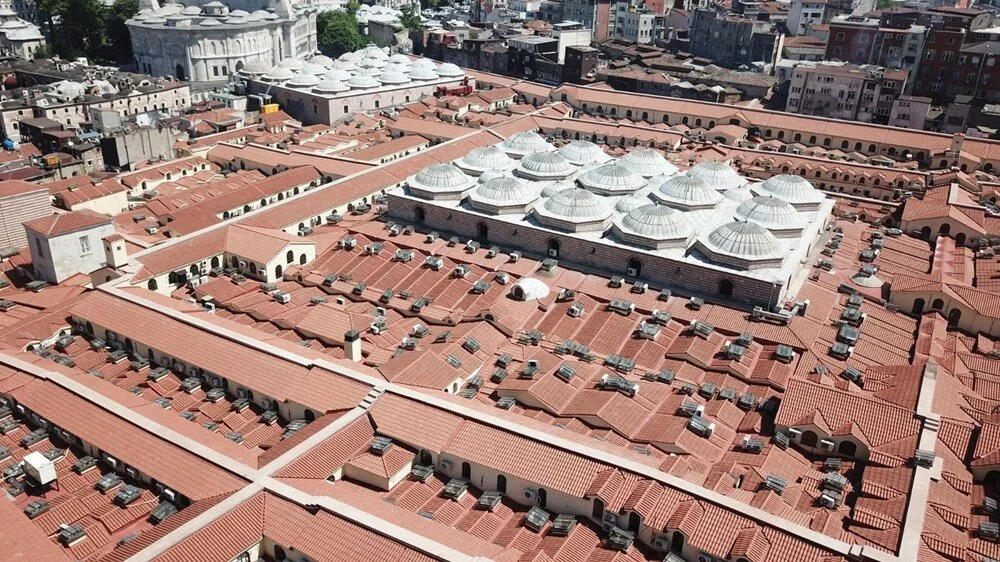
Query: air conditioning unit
661, 543
631, 272
530, 494
826, 444
553, 253
112, 462
169, 494
794, 432
445, 465
269, 404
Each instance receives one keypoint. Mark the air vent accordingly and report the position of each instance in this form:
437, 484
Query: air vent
380, 445
776, 484
489, 501
536, 518
455, 489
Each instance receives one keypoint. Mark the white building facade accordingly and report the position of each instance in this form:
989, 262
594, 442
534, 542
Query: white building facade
204, 41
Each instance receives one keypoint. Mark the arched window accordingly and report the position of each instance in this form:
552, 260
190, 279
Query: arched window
246, 208
501, 483
466, 470
289, 256
215, 262
960, 239
628, 114
677, 542
797, 137
598, 510
954, 317
253, 268
918, 306
945, 229
812, 139
263, 202
281, 196
937, 304
848, 448
277, 272
482, 231
420, 214
151, 285
553, 248
925, 232
809, 439
645, 116
844, 145
542, 497
193, 269
726, 288
302, 259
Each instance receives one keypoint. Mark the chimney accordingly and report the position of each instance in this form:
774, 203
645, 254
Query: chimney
352, 345
115, 253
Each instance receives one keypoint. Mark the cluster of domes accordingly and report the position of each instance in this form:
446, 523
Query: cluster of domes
574, 210
440, 181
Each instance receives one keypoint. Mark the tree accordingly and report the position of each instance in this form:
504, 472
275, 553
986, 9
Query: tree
119, 45
410, 20
338, 33
352, 7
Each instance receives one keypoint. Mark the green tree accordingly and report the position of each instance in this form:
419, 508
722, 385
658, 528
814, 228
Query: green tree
119, 45
352, 7
338, 33
410, 20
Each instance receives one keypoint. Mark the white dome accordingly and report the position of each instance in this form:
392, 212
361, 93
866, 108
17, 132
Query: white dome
292, 64
770, 212
544, 166
321, 60
449, 70
793, 189
687, 193
368, 71
630, 203
260, 14
331, 86
658, 222
718, 175
647, 162
484, 158
744, 240
255, 67
577, 205
529, 288
337, 74
612, 179
490, 175
738, 194
581, 152
313, 68
393, 78
191, 11
372, 63
340, 64
303, 80
441, 178
525, 143
424, 63
359, 81
422, 73
278, 74
556, 187
69, 89
400, 58
205, 22
393, 67
505, 191
350, 57
374, 52
239, 13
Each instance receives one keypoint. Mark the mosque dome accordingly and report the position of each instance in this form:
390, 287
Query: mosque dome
718, 175
657, 222
612, 179
687, 193
581, 153
544, 166
793, 189
647, 163
523, 143
745, 240
771, 212
483, 158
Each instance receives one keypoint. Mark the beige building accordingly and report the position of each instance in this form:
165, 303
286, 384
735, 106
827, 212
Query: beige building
20, 201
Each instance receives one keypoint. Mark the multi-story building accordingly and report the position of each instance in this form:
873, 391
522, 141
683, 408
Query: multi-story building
67, 244
844, 91
733, 41
852, 39
804, 13
634, 23
20, 201
593, 14
909, 112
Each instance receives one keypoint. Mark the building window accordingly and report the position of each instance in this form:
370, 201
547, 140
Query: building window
40, 247
85, 245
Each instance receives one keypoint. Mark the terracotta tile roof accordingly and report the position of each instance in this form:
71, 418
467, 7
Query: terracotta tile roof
55, 225
12, 188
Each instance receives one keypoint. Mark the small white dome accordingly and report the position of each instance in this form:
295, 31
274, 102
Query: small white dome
359, 81
372, 71
372, 63
191, 10
278, 74
687, 192
400, 58
483, 158
327, 86
303, 80
441, 177
612, 179
647, 162
718, 175
738, 194
393, 67
793, 189
314, 69
525, 143
204, 23
239, 13
424, 63
490, 175
556, 187
745, 240
341, 64
657, 222
544, 166
292, 64
630, 203
505, 191
255, 67
321, 60
337, 74
449, 70
373, 51
581, 153
770, 212
393, 78
422, 73
577, 205
353, 57
529, 288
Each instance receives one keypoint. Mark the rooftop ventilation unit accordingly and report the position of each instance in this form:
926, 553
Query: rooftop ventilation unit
515, 256
348, 243
493, 252
161, 512
84, 464
576, 310
455, 489
334, 217
620, 384
781, 440
431, 237
480, 287
990, 531
499, 375
852, 315
989, 505
359, 289
735, 352
853, 374
533, 337
461, 271
215, 395
472, 247
848, 334
565, 372
648, 330
752, 445
563, 524
621, 306
421, 472
506, 402
701, 426
443, 337
453, 241
620, 363
530, 369
374, 249
688, 389
549, 264
841, 350
39, 468
620, 539
707, 390
831, 499
661, 317
386, 296
695, 303
616, 282
833, 464
489, 501
784, 354
404, 255
691, 409
126, 495
776, 484
240, 404
701, 329
36, 508
107, 483
834, 481
380, 445
281, 297
71, 534
746, 402
471, 344
639, 288
923, 458
419, 303
536, 518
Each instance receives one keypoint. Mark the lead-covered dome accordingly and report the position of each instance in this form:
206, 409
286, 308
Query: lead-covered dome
794, 189
581, 153
742, 244
278, 74
543, 166
657, 222
360, 82
337, 74
612, 179
574, 210
423, 73
630, 203
327, 86
647, 162
687, 193
450, 70
524, 143
718, 175
303, 80
440, 181
483, 158
556, 187
503, 195
320, 59
770, 212
738, 194
393, 77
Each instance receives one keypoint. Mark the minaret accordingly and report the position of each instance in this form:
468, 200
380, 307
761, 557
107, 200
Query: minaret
149, 5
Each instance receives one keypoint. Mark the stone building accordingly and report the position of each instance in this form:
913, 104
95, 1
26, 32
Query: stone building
20, 201
207, 41
66, 244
